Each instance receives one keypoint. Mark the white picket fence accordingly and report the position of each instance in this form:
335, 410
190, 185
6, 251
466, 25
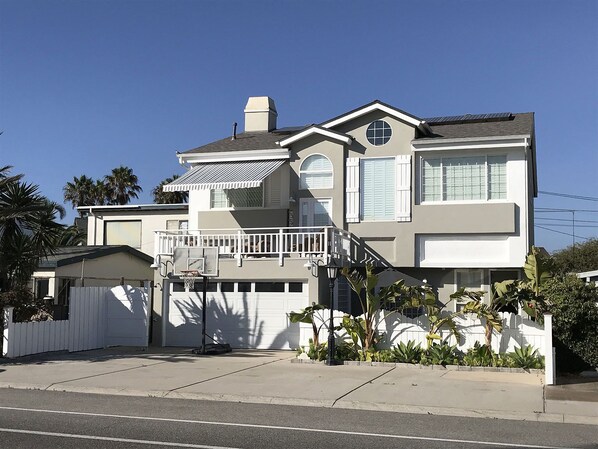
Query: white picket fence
396, 328
98, 317
517, 332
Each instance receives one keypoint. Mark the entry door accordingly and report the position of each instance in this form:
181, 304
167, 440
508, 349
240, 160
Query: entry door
316, 212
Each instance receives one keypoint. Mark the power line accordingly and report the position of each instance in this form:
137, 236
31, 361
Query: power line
549, 209
564, 233
566, 195
569, 225
570, 220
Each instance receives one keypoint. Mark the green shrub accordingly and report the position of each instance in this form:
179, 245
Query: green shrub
407, 353
574, 305
441, 354
383, 355
480, 355
526, 357
26, 306
347, 351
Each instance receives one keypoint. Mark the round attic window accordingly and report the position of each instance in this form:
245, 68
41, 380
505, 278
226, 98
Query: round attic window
378, 133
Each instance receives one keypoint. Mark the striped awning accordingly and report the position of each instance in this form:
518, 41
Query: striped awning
225, 175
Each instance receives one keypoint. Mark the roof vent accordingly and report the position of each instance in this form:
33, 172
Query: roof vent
260, 114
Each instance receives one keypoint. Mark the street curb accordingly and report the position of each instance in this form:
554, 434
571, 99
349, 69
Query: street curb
418, 366
341, 404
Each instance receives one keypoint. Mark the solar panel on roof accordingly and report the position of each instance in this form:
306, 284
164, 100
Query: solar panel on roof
453, 119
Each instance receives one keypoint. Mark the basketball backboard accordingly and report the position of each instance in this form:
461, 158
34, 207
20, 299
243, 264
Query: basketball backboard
202, 259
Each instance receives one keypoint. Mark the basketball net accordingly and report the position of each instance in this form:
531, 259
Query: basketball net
189, 277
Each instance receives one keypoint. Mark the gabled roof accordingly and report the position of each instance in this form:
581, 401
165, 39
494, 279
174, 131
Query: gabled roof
66, 255
375, 105
315, 129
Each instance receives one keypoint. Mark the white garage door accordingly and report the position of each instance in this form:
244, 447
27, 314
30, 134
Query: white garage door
242, 314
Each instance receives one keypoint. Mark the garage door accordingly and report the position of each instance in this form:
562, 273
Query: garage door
242, 314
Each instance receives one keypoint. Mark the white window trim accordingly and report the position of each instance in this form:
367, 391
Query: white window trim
240, 208
331, 171
365, 133
436, 202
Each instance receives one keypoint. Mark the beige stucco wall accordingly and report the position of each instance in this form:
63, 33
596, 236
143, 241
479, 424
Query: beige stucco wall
250, 218
151, 220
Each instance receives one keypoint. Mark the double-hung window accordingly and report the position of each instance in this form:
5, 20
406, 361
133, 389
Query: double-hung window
467, 178
237, 198
378, 189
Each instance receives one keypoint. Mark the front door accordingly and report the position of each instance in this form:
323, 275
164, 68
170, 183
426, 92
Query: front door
316, 212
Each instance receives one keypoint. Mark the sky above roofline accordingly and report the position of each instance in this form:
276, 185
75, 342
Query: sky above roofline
88, 86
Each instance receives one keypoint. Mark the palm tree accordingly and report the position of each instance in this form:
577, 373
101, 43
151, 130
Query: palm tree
162, 197
100, 194
122, 185
80, 192
28, 229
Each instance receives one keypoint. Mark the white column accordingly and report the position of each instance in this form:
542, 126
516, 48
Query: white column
549, 356
8, 333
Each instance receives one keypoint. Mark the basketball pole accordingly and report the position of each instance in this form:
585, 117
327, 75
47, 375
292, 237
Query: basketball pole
203, 315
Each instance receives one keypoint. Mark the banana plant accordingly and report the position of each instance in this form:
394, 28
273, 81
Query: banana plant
488, 313
307, 316
527, 293
389, 298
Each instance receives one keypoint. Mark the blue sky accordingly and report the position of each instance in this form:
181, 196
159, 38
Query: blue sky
86, 86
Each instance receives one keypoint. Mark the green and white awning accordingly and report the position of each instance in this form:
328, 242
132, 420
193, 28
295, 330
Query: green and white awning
225, 175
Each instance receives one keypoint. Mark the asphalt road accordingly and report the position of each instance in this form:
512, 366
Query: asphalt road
44, 419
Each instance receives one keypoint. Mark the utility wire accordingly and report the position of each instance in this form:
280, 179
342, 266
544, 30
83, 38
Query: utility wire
564, 233
568, 225
566, 195
549, 209
570, 220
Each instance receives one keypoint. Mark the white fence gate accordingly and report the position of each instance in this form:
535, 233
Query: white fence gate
98, 317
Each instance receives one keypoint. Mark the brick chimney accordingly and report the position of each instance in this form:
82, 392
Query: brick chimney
260, 114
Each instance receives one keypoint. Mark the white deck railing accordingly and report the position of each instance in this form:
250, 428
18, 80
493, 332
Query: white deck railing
260, 242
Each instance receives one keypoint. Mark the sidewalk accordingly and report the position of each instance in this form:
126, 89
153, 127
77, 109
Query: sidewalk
270, 377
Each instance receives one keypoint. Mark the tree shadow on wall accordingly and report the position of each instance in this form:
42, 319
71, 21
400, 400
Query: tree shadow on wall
226, 322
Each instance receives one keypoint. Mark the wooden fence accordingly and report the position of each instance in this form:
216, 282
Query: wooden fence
91, 310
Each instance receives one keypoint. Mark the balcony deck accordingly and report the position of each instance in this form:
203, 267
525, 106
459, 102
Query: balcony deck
297, 242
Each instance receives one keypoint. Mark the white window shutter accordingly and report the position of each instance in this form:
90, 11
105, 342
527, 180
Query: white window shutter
403, 185
352, 190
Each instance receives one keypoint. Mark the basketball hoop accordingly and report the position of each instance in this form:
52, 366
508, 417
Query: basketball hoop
189, 277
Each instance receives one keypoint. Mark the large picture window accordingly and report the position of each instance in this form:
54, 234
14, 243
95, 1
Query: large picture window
470, 178
237, 198
123, 233
378, 189
315, 173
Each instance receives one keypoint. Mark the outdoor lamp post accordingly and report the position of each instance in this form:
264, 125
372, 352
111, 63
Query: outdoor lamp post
332, 274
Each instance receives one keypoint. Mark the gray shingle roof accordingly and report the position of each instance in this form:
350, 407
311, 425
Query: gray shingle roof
66, 255
521, 124
246, 142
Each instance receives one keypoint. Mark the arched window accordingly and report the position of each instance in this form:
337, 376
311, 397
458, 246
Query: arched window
315, 173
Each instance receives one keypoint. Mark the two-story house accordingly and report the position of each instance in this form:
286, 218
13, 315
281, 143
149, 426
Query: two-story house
444, 200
